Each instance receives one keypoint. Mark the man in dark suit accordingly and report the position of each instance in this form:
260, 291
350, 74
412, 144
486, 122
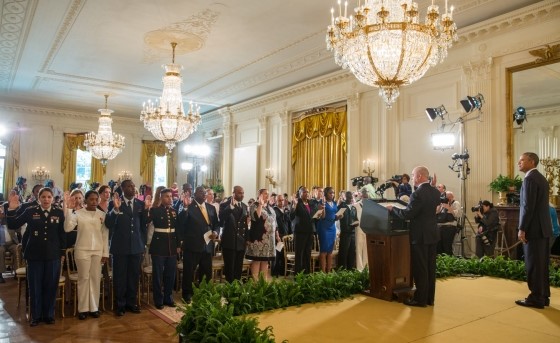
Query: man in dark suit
304, 228
348, 224
163, 250
535, 230
127, 222
421, 211
198, 226
233, 219
284, 227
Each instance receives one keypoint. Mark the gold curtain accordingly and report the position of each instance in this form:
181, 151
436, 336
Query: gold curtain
97, 171
147, 161
319, 150
11, 168
72, 142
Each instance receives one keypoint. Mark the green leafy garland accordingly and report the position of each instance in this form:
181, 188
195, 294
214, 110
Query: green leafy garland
220, 311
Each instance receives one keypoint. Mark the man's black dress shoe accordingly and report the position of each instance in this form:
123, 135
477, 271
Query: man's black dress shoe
528, 303
412, 302
159, 307
119, 312
34, 322
94, 314
133, 309
49, 321
82, 315
170, 304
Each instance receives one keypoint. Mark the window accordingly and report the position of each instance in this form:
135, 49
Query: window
83, 167
2, 164
160, 172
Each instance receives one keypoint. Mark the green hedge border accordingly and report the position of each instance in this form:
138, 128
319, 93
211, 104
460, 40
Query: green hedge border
220, 311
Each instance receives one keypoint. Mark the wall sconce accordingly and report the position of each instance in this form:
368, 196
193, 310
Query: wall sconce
270, 177
125, 175
368, 167
40, 174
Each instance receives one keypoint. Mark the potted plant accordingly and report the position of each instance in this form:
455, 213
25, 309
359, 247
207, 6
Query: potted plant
504, 184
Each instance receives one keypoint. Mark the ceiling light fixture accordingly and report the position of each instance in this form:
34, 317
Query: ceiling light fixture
385, 45
105, 144
165, 118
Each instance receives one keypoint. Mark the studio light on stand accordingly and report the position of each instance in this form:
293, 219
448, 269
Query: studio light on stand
520, 117
460, 161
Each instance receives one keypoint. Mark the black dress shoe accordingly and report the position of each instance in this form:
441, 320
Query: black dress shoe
159, 307
412, 302
133, 309
82, 315
34, 322
170, 304
94, 314
528, 303
119, 312
49, 321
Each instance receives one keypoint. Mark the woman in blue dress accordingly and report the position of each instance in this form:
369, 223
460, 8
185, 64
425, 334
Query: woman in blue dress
326, 230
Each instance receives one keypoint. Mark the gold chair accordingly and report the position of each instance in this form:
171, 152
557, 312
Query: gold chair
61, 290
21, 272
147, 275
289, 254
72, 274
315, 251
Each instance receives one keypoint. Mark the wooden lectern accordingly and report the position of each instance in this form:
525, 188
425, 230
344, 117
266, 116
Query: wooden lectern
388, 250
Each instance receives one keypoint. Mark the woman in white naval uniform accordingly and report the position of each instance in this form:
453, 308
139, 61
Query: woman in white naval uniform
90, 251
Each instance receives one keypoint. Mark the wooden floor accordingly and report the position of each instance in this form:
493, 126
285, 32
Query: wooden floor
14, 327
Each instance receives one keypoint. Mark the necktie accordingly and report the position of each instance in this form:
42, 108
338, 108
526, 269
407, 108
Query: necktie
129, 204
204, 213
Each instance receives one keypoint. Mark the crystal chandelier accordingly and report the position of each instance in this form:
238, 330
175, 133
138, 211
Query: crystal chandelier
104, 145
386, 46
166, 119
40, 174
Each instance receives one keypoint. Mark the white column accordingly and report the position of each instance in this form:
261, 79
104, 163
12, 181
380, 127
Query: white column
264, 153
353, 147
285, 167
227, 149
480, 137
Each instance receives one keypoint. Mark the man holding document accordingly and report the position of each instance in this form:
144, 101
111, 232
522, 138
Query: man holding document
326, 229
198, 226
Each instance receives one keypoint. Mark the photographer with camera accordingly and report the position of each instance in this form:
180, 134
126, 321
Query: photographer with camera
448, 211
488, 220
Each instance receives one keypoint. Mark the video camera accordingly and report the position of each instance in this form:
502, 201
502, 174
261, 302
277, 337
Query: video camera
477, 207
359, 181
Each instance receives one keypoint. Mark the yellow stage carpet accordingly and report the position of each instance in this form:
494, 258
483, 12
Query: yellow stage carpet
466, 310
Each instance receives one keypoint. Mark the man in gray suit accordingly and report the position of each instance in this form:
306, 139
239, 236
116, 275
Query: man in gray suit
421, 211
535, 230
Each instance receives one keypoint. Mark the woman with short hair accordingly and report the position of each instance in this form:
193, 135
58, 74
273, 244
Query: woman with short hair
90, 251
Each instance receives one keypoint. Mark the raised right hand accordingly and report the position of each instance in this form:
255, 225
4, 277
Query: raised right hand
13, 200
116, 201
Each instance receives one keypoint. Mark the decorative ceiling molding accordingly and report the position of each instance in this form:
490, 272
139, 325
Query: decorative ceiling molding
16, 16
5, 107
287, 93
540, 11
73, 11
189, 34
315, 56
261, 59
